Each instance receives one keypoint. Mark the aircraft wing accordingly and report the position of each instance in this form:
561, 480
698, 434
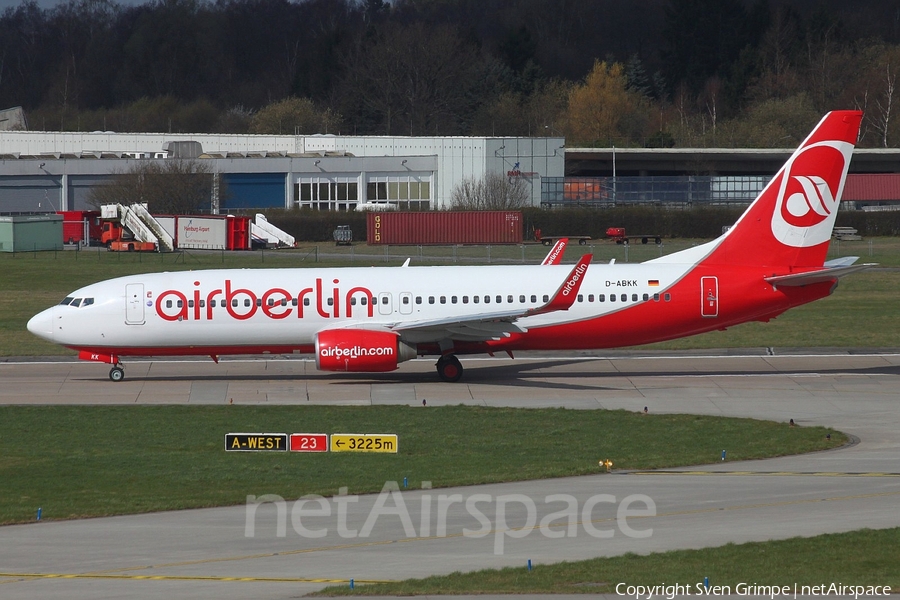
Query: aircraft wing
495, 325
810, 277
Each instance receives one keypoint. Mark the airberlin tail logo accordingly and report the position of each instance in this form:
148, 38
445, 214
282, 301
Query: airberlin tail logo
809, 190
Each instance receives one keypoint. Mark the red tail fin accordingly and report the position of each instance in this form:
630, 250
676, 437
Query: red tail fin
790, 222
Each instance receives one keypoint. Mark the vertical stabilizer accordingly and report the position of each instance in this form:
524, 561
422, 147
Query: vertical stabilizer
790, 222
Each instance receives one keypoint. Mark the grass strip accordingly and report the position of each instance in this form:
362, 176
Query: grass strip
857, 558
85, 461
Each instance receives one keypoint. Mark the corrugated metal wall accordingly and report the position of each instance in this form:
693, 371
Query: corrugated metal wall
439, 227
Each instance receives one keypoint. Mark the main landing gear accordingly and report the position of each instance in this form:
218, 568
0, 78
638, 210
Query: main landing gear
449, 368
117, 373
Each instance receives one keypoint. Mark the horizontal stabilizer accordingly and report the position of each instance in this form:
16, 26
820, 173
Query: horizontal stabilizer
823, 275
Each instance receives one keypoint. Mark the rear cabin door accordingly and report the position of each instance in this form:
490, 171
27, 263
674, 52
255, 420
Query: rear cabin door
134, 304
709, 296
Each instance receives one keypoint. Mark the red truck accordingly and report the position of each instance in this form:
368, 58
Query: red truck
118, 239
619, 236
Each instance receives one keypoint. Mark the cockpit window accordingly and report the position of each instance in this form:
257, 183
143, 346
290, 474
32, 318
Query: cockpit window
76, 302
66, 301
87, 302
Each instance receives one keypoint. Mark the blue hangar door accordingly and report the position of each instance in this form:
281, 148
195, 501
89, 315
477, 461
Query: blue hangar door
252, 190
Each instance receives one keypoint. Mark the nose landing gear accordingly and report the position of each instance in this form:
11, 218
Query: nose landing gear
117, 373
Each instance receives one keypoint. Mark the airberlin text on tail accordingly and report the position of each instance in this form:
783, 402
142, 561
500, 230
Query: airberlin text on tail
790, 222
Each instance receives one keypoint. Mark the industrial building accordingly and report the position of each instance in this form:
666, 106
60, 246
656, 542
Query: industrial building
52, 171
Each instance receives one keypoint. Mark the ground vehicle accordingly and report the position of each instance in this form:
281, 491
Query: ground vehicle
549, 240
618, 234
343, 236
117, 238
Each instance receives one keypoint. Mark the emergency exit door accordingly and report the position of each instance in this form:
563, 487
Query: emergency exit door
134, 304
709, 296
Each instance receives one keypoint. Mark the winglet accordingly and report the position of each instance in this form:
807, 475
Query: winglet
555, 256
565, 296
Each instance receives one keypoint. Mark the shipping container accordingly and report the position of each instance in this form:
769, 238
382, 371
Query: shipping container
872, 187
209, 232
81, 227
444, 227
31, 233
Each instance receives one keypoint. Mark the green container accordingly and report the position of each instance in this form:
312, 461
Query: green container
31, 233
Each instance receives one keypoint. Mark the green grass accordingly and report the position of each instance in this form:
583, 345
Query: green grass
862, 313
866, 557
79, 461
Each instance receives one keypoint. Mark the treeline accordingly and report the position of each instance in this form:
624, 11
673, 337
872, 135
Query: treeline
702, 223
637, 73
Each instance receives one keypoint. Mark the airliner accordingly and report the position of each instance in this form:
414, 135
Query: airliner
372, 319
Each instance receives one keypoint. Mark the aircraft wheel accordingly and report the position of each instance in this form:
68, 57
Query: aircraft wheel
116, 374
449, 368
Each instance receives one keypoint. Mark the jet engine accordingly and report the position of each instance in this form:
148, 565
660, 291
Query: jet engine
360, 350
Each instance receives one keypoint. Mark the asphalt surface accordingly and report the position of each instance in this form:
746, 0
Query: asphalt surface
235, 552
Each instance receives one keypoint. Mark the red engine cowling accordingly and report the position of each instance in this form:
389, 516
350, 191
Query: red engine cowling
360, 350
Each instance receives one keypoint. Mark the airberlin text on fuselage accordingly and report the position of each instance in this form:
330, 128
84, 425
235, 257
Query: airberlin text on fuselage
173, 305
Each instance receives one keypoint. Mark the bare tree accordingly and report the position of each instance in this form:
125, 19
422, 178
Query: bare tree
168, 187
494, 191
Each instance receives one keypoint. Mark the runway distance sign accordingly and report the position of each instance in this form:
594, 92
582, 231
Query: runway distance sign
256, 442
309, 442
364, 442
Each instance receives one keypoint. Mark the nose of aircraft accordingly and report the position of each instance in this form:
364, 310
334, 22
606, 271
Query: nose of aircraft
41, 324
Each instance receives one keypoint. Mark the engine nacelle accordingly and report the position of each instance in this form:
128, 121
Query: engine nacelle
360, 350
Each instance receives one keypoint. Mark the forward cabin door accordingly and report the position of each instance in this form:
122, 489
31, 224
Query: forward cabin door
709, 296
134, 304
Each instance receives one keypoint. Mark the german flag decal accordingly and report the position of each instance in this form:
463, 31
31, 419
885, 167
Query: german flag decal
653, 283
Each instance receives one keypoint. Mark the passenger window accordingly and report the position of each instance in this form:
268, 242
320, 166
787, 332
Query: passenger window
430, 299
667, 297
418, 299
656, 297
352, 301
190, 304
203, 304
283, 302
212, 303
271, 302
499, 299
465, 299
67, 301
179, 304
612, 297
306, 302
443, 299
601, 298
634, 297
364, 300
487, 299
546, 298
247, 302
452, 299
646, 297
522, 299
404, 300
580, 298
475, 299
590, 297
330, 302
258, 302
624, 297
533, 298
384, 300
168, 304
509, 299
